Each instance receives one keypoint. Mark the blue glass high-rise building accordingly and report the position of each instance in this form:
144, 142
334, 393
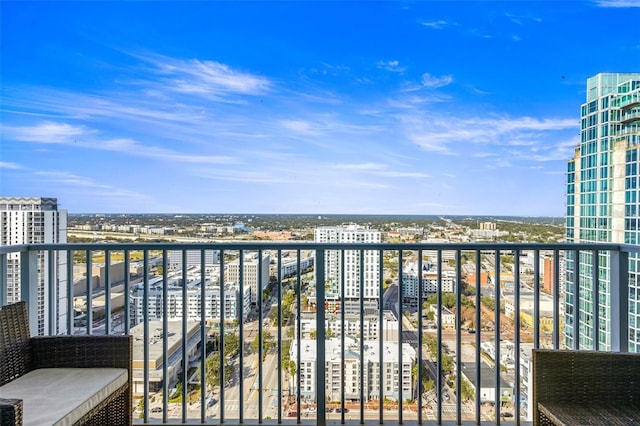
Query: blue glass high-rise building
603, 204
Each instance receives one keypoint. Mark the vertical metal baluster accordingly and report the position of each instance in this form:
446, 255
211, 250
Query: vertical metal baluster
88, 299
4, 271
29, 288
221, 342
70, 310
439, 337
185, 338
321, 336
576, 301
280, 372
145, 333
298, 334
380, 339
420, 360
478, 327
127, 293
51, 291
165, 337
203, 334
107, 291
242, 342
458, 334
363, 393
595, 323
556, 297
516, 331
536, 300
259, 291
400, 319
342, 340
497, 326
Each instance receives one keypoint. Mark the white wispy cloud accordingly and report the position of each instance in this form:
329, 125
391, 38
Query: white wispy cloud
436, 25
81, 137
83, 183
195, 76
617, 3
432, 81
9, 165
379, 169
520, 19
559, 150
359, 166
393, 66
438, 133
300, 126
484, 154
46, 132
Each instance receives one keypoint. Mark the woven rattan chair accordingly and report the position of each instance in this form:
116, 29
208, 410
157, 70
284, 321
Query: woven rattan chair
21, 354
586, 388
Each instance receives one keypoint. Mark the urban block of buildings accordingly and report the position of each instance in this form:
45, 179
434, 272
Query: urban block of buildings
380, 380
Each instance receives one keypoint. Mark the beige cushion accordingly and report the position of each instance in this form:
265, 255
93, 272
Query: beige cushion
61, 396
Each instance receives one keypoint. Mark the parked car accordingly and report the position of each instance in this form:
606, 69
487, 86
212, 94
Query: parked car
156, 410
292, 414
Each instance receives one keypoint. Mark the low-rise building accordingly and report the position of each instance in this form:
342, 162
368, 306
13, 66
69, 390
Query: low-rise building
370, 327
380, 380
487, 383
156, 359
448, 317
430, 281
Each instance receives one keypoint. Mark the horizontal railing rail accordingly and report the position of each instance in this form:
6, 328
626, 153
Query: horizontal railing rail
344, 346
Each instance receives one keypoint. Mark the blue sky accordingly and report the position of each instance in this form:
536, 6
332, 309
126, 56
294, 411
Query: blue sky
423, 107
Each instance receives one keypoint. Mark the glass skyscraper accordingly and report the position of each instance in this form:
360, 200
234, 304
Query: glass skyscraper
603, 203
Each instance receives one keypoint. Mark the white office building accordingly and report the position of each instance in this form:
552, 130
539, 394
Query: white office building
411, 282
194, 258
333, 270
37, 220
369, 328
254, 272
235, 305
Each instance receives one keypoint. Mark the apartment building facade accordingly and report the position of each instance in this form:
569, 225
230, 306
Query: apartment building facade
235, 305
603, 205
352, 261
255, 273
380, 380
28, 220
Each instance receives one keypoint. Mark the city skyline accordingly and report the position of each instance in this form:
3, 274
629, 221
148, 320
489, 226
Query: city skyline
300, 107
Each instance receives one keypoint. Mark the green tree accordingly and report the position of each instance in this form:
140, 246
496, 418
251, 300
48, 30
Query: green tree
466, 392
231, 344
448, 300
268, 342
488, 302
212, 366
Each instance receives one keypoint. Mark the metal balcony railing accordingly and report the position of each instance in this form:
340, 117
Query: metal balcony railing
272, 349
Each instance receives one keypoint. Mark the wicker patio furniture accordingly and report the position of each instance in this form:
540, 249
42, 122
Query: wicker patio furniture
61, 379
586, 388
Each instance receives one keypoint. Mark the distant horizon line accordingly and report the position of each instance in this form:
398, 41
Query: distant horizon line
320, 215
